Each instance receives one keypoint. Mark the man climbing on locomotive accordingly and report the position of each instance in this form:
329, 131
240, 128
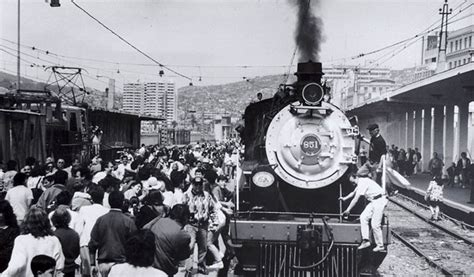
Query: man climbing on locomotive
373, 212
377, 148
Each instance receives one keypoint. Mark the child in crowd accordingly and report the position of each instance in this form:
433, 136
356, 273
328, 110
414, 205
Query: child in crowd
434, 196
43, 266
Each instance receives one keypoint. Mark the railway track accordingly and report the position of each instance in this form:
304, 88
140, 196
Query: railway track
449, 251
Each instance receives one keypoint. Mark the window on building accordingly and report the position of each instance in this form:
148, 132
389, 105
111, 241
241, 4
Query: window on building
456, 46
470, 41
433, 60
451, 46
450, 65
465, 42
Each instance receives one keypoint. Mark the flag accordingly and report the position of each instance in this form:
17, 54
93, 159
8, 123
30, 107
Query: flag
396, 178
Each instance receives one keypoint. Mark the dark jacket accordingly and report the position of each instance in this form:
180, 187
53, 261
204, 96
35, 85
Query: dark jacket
145, 215
109, 236
69, 240
7, 238
172, 244
459, 165
378, 147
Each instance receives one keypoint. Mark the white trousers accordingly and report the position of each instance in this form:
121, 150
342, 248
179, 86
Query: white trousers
373, 212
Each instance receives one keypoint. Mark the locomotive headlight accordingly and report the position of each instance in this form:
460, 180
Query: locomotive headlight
312, 94
263, 179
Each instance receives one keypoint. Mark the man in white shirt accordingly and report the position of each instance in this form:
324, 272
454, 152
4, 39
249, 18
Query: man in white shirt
373, 211
19, 196
88, 215
120, 172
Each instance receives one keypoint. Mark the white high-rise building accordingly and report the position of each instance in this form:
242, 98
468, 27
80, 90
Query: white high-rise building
153, 98
133, 98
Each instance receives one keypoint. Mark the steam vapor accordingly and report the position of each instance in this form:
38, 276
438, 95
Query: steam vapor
308, 33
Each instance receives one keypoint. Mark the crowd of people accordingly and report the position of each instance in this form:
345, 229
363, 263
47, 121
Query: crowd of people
457, 174
408, 163
142, 214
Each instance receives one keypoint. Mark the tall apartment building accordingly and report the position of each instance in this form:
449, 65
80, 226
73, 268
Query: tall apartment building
153, 98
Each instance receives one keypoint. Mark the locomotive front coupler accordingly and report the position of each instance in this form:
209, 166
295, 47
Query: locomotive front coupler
309, 236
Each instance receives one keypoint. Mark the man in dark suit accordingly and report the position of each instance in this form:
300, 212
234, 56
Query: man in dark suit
463, 166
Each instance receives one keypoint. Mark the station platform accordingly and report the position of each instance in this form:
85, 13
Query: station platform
455, 202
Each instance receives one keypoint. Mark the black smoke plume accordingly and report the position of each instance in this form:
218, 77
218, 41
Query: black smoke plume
309, 31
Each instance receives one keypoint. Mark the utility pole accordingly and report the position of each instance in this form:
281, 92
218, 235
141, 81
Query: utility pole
443, 37
18, 53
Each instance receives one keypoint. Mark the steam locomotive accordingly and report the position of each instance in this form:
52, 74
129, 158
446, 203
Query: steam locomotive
299, 150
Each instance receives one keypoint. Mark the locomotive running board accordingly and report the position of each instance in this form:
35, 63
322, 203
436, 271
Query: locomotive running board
286, 231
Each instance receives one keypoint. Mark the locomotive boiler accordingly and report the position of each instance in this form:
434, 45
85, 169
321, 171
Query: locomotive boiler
299, 150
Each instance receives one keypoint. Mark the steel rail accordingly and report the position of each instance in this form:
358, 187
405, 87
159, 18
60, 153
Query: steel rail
422, 254
456, 221
442, 228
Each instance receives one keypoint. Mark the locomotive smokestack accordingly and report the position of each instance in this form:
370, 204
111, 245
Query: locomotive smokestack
308, 33
309, 72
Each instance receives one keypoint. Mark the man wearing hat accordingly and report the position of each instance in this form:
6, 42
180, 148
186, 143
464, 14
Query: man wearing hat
377, 148
202, 208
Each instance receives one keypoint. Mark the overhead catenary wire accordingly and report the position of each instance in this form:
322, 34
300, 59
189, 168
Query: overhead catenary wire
409, 42
33, 64
50, 63
459, 6
129, 44
287, 74
425, 31
46, 52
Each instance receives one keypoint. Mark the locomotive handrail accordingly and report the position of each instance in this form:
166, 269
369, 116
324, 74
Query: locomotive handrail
331, 215
384, 173
310, 108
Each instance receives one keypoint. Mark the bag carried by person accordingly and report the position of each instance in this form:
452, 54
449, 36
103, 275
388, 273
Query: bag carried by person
37, 192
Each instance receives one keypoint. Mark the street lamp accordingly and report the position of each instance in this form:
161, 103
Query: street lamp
55, 3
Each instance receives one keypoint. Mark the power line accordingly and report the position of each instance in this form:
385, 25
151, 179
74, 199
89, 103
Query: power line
287, 74
131, 45
406, 41
395, 53
462, 9
31, 56
425, 31
47, 52
50, 62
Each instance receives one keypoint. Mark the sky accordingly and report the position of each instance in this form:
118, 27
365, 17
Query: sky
217, 41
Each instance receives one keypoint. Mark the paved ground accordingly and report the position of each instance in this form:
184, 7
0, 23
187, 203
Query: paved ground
455, 194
